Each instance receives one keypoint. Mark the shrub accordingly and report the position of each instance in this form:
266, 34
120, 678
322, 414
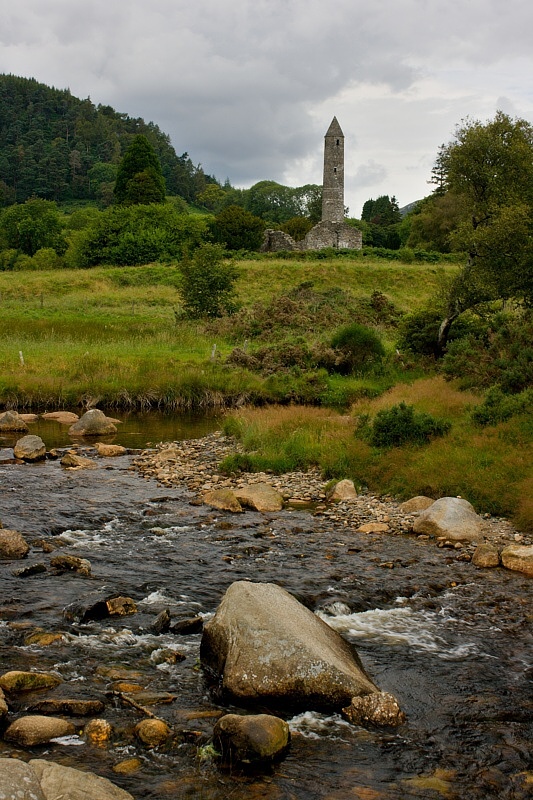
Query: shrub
360, 347
401, 423
499, 407
208, 288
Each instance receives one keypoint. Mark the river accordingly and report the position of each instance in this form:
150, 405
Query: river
452, 642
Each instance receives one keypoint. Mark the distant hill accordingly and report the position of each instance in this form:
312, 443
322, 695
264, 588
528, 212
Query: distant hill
58, 147
409, 207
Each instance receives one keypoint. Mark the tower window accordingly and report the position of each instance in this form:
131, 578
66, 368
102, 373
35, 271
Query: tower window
338, 142
335, 170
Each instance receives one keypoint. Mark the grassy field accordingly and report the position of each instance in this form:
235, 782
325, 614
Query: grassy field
116, 334
115, 337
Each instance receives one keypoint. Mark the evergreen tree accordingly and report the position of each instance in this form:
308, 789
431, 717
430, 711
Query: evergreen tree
139, 177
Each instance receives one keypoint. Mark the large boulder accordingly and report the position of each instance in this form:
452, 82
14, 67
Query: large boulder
518, 557
259, 497
13, 544
58, 782
416, 504
451, 517
73, 461
11, 421
223, 500
264, 647
19, 780
63, 417
250, 739
92, 423
30, 448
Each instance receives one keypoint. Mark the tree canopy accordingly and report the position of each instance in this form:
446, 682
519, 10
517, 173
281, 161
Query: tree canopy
139, 175
489, 166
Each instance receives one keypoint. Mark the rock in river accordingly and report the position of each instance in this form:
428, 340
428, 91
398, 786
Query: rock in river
92, 423
11, 421
35, 729
519, 558
13, 544
249, 739
30, 448
259, 497
18, 681
451, 517
58, 782
269, 649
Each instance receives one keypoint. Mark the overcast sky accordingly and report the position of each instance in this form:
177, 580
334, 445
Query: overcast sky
249, 87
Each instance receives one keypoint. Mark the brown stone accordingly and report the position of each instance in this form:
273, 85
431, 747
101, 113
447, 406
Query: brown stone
110, 450
121, 606
415, 504
259, 497
30, 448
128, 766
344, 490
373, 527
92, 423
519, 558
223, 499
17, 681
44, 638
11, 421
3, 705
68, 708
380, 708
35, 729
152, 732
67, 563
451, 517
98, 732
63, 417
13, 544
73, 461
486, 555
253, 738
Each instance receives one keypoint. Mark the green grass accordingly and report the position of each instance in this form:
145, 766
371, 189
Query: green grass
491, 467
115, 332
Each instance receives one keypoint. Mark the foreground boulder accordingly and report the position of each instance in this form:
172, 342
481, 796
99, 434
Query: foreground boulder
30, 448
19, 780
251, 739
518, 557
265, 647
58, 782
92, 423
259, 497
11, 421
451, 517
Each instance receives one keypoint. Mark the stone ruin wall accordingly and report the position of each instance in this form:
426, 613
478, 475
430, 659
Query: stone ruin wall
325, 234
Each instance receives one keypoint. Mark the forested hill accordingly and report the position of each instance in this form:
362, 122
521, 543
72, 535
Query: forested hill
61, 148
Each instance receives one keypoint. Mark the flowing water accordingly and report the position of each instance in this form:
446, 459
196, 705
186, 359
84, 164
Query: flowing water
451, 642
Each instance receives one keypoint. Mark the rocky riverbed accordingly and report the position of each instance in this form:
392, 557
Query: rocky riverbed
194, 464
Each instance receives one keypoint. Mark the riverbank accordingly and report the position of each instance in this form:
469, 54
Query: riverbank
194, 465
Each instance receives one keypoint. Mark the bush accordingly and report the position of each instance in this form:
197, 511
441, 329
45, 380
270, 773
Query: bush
137, 234
401, 423
499, 407
208, 288
360, 347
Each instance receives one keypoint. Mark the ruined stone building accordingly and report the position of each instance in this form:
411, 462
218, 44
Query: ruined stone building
332, 230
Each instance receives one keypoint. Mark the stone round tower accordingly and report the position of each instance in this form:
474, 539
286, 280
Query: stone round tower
333, 183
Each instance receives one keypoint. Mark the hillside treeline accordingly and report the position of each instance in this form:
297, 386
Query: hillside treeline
58, 147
